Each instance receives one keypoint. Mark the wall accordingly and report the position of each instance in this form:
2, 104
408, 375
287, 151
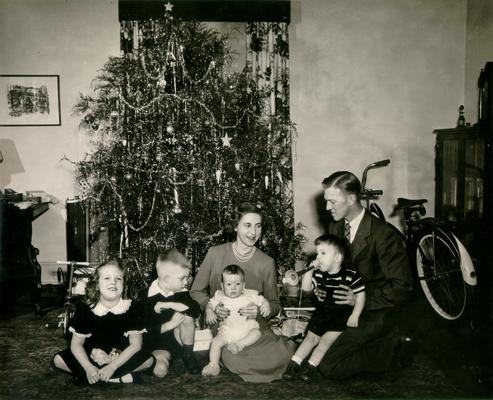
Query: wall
73, 39
478, 51
371, 80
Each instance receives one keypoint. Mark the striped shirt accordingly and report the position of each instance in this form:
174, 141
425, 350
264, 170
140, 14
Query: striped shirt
330, 282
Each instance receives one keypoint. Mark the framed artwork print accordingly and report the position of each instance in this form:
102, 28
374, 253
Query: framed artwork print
30, 100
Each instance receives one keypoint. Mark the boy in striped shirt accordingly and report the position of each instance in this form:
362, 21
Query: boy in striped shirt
329, 319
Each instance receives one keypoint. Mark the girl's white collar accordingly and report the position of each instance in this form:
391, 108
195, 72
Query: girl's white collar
121, 307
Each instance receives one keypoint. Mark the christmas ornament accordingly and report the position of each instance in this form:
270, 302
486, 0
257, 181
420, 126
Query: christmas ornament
266, 181
128, 177
226, 140
161, 83
207, 123
170, 129
113, 179
169, 7
124, 142
218, 176
237, 166
159, 157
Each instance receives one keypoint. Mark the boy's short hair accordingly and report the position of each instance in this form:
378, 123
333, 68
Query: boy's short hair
333, 240
232, 269
175, 257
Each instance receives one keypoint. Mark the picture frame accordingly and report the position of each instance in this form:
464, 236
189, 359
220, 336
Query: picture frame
30, 100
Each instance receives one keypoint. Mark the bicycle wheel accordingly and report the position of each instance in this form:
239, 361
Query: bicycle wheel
440, 275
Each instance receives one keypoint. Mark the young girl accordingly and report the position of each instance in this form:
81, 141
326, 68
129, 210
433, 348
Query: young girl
106, 333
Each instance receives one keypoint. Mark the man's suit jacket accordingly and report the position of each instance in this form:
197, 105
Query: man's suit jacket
378, 254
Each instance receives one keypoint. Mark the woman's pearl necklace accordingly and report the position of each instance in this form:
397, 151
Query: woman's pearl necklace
245, 256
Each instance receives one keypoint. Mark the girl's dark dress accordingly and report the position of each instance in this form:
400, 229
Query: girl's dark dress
106, 330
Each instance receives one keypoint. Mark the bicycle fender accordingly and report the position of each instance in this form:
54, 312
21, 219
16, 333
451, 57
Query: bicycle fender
439, 226
466, 264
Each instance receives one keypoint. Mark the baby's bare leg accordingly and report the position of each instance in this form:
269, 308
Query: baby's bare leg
252, 336
212, 369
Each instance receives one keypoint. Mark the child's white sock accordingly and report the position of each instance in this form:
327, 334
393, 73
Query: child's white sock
297, 360
312, 364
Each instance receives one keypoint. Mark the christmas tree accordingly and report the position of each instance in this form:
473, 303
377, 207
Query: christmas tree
178, 141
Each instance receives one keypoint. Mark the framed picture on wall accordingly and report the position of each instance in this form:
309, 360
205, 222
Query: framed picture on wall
30, 100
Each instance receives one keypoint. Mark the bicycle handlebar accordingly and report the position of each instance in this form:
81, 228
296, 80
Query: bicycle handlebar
376, 164
84, 263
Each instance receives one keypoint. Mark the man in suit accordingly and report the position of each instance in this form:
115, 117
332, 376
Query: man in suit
376, 251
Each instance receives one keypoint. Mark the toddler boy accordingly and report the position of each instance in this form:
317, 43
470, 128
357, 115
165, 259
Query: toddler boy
171, 314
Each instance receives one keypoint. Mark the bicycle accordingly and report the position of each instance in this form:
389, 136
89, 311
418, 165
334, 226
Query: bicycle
444, 268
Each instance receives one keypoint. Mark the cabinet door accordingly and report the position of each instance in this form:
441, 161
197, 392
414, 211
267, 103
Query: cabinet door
450, 180
473, 179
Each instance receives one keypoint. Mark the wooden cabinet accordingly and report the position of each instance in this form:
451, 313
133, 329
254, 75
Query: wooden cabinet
463, 184
464, 197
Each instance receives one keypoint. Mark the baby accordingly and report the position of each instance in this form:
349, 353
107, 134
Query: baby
236, 331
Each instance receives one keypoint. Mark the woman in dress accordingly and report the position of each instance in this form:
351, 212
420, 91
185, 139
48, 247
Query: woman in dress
266, 359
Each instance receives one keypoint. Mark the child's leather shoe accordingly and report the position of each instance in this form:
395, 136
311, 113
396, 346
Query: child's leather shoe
292, 371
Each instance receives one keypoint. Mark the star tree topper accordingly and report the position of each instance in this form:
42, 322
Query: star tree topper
226, 140
169, 7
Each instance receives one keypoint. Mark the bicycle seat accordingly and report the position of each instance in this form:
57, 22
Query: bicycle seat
408, 203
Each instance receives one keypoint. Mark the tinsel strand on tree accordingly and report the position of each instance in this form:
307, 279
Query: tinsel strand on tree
178, 142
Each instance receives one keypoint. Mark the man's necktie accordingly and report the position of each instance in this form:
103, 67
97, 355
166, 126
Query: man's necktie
347, 231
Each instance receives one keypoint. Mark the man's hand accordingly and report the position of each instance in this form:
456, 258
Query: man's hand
221, 311
344, 295
321, 294
250, 311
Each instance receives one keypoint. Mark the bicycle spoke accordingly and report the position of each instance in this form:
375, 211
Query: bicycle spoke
440, 276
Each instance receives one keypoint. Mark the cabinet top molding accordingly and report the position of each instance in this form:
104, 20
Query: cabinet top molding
207, 10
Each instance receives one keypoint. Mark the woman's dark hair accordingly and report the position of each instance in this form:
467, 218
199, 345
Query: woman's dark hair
344, 180
243, 209
232, 269
339, 243
92, 290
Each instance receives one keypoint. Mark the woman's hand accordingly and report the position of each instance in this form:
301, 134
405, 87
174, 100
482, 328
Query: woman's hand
250, 311
265, 309
92, 374
106, 372
344, 295
221, 311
